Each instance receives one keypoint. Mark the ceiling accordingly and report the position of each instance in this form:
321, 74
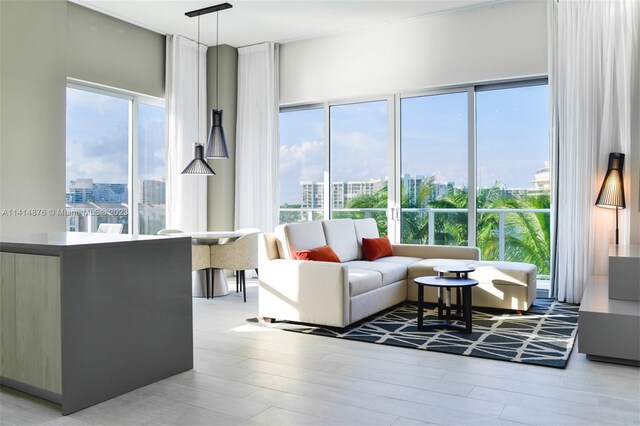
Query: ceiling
256, 21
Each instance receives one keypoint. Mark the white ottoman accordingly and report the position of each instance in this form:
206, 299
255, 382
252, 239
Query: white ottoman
506, 285
503, 285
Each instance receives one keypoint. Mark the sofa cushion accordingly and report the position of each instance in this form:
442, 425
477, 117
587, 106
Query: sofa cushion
365, 228
363, 280
303, 236
375, 248
401, 260
320, 254
425, 267
341, 236
391, 272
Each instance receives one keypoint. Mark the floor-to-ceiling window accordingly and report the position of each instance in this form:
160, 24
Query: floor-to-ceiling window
462, 166
513, 178
359, 161
115, 160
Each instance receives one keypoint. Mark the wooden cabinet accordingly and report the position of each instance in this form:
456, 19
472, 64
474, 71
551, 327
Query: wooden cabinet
31, 327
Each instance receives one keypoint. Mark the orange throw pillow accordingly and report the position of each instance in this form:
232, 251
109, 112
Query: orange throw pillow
375, 248
320, 254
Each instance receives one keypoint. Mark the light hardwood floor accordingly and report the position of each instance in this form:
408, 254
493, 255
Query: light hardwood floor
246, 374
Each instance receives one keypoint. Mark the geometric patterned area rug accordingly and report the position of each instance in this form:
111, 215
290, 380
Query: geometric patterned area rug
544, 335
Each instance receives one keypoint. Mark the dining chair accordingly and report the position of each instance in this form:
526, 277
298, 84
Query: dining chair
110, 228
239, 255
167, 231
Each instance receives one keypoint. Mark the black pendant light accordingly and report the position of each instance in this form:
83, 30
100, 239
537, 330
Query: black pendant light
216, 143
198, 166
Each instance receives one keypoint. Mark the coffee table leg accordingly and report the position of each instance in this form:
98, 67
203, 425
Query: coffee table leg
448, 301
420, 306
467, 306
439, 302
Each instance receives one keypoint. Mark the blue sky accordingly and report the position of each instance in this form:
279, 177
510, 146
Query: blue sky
512, 135
512, 140
98, 138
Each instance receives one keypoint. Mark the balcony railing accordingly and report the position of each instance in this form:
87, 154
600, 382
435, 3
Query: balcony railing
289, 215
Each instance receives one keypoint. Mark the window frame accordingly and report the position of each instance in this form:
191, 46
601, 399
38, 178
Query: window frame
390, 100
395, 142
135, 100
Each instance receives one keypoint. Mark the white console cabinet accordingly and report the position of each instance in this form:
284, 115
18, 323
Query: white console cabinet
609, 321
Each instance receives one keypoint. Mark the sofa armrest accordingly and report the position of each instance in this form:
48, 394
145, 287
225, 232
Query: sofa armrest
304, 291
436, 252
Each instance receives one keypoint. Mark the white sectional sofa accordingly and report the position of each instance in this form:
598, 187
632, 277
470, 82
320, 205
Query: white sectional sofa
338, 294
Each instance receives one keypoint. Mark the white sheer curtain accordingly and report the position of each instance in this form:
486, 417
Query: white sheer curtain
186, 194
257, 143
593, 55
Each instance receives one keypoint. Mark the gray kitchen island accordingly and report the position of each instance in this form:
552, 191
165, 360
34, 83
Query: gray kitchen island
86, 317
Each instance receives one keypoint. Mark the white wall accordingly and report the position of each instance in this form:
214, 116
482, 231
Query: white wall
32, 115
489, 43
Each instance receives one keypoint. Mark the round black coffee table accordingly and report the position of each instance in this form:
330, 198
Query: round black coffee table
444, 285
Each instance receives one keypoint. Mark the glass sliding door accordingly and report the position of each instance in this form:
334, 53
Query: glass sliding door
513, 179
434, 169
302, 164
359, 134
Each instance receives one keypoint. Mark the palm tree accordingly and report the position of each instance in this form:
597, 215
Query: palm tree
415, 224
367, 201
527, 235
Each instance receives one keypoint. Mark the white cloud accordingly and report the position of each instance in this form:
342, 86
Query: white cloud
299, 162
296, 157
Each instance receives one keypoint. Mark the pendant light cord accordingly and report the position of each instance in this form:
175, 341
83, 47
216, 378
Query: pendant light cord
198, 82
217, 52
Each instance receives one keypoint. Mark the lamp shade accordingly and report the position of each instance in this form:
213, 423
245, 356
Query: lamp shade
612, 192
198, 166
216, 143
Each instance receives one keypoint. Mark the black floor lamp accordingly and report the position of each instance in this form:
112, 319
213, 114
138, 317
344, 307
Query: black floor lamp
612, 192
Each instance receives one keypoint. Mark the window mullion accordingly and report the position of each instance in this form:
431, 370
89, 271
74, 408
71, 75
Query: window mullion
133, 169
394, 189
471, 176
327, 162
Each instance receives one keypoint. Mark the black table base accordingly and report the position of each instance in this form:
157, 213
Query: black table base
444, 310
